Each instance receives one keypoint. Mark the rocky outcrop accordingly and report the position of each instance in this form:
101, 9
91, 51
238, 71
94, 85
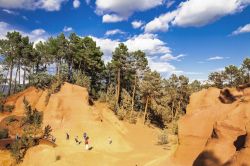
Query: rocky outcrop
216, 129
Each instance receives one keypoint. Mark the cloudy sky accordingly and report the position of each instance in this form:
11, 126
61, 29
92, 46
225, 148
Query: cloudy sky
190, 37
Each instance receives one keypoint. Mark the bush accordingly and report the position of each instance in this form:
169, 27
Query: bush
163, 138
111, 99
41, 80
4, 133
102, 96
121, 114
175, 128
19, 147
82, 79
9, 108
11, 119
32, 116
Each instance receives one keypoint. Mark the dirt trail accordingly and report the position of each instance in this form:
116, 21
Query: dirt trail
68, 111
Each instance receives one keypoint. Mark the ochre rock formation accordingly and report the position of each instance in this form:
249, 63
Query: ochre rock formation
69, 111
216, 129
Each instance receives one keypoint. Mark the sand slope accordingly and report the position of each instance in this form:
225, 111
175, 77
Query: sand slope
69, 111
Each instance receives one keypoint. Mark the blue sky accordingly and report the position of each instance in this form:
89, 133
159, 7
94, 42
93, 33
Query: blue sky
191, 37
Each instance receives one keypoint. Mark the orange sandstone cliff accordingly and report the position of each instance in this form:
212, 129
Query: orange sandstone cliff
216, 129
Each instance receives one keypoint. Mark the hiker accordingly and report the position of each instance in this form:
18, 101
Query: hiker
87, 143
109, 140
17, 137
84, 136
76, 139
67, 136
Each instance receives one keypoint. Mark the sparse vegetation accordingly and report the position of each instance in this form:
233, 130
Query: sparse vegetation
163, 138
31, 131
4, 133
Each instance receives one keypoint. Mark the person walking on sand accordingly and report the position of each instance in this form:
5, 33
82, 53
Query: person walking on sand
67, 136
84, 136
109, 140
87, 143
76, 139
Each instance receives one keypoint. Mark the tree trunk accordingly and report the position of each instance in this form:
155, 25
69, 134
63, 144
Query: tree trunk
19, 77
5, 82
133, 99
172, 111
118, 87
10, 81
145, 111
24, 76
15, 80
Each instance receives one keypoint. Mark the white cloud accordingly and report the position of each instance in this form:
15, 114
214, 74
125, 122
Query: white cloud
67, 29
137, 24
35, 35
217, 58
161, 67
76, 3
170, 3
49, 5
243, 29
114, 32
149, 43
107, 18
196, 13
107, 46
169, 57
199, 13
160, 23
124, 8
10, 12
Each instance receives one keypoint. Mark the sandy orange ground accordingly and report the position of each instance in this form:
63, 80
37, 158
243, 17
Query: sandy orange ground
69, 111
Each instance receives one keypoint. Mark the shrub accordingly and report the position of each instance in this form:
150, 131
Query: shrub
102, 96
111, 97
19, 147
163, 138
32, 116
11, 119
175, 128
82, 79
121, 114
4, 133
41, 80
9, 108
58, 157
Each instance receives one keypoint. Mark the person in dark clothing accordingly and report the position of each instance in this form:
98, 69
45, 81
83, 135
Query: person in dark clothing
67, 136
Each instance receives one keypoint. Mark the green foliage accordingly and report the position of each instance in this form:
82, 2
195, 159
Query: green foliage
102, 96
111, 97
163, 138
9, 108
4, 133
231, 76
82, 80
121, 114
126, 100
32, 116
41, 80
47, 131
20, 146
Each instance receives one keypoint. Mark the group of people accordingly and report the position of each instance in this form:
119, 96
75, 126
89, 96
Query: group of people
85, 138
